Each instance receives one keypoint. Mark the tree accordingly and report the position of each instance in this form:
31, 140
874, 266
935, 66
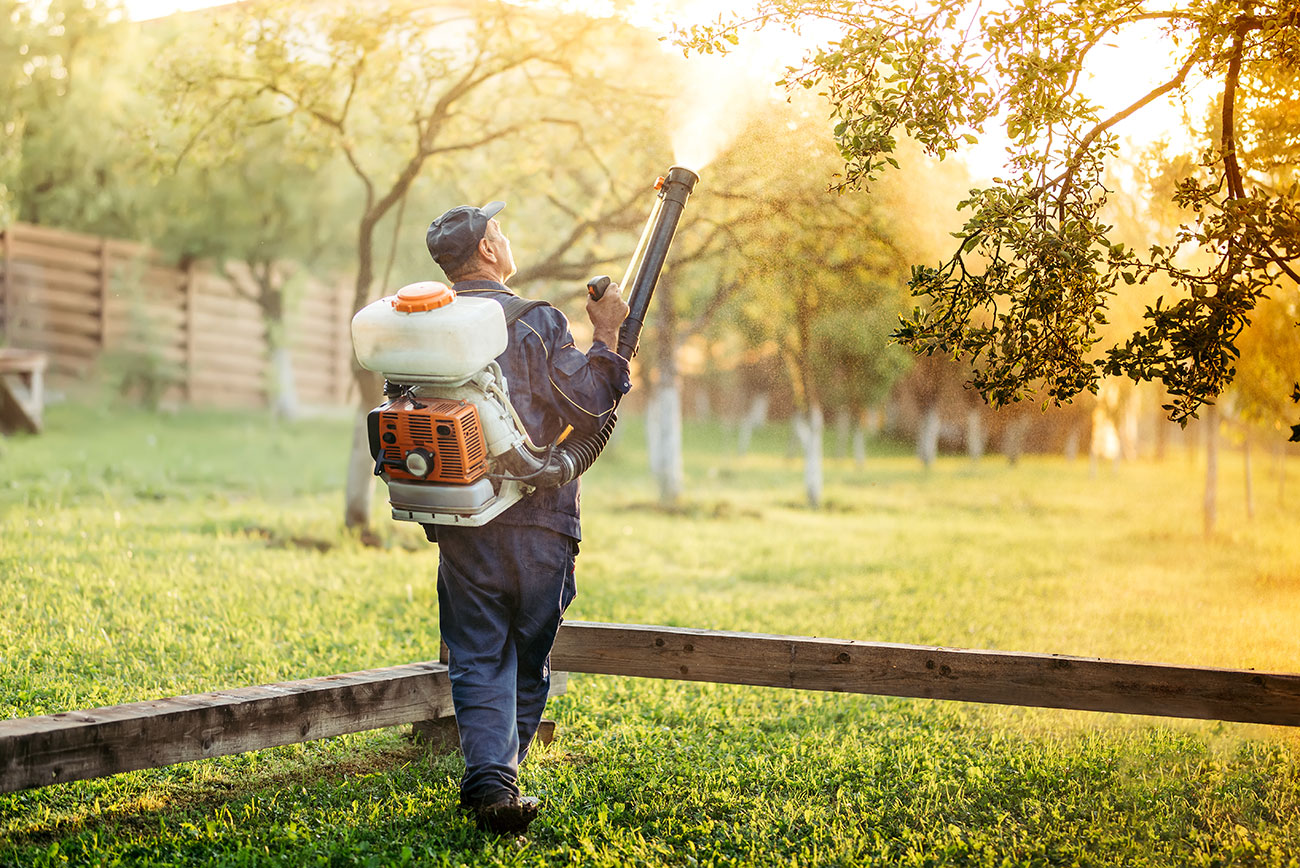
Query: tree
1026, 289
264, 197
810, 265
67, 100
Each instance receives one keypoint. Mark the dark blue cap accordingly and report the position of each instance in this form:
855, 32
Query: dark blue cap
453, 236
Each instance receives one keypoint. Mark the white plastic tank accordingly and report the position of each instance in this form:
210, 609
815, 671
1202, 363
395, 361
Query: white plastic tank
425, 333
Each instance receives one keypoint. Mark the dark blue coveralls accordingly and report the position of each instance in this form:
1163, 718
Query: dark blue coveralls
503, 587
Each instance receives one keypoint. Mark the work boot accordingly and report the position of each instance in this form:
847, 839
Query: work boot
509, 816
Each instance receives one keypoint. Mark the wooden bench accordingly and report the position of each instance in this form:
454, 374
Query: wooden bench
22, 390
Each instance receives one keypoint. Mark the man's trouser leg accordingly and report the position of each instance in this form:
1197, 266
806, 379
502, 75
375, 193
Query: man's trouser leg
502, 590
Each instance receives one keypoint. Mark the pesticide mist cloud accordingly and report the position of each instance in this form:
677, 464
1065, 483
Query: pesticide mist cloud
719, 95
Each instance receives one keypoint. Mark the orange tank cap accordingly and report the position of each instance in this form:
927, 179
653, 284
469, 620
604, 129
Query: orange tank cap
425, 295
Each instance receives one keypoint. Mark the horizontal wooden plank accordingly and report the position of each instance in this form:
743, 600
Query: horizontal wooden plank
161, 317
239, 384
322, 343
239, 353
1002, 677
58, 343
121, 249
222, 316
171, 353
129, 276
308, 378
55, 237
242, 382
38, 751
61, 297
54, 257
77, 322
239, 356
209, 285
313, 369
34, 279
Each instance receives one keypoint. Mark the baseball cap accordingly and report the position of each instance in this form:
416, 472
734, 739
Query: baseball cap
453, 236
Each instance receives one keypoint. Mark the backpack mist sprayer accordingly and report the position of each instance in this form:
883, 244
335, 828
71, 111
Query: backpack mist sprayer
448, 442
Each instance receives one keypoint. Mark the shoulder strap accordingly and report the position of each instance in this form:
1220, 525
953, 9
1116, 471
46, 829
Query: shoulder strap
515, 307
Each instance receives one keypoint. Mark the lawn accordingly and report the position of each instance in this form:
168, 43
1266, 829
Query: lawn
150, 555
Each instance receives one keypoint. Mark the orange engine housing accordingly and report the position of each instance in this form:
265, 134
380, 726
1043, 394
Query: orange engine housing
447, 433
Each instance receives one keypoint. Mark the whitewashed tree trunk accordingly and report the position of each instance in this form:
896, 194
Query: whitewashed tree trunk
703, 404
286, 389
1211, 468
664, 441
361, 477
1013, 439
793, 443
843, 431
1128, 426
860, 441
927, 437
810, 428
755, 416
975, 434
1072, 444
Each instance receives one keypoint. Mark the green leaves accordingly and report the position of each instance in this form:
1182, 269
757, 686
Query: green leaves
1024, 293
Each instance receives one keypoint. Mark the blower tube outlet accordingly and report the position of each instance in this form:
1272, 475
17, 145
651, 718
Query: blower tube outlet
673, 193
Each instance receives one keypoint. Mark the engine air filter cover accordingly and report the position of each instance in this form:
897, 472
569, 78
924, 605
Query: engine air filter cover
446, 434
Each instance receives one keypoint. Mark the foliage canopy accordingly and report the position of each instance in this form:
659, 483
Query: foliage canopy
1025, 291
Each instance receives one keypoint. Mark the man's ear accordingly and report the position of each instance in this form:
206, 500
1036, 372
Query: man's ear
485, 250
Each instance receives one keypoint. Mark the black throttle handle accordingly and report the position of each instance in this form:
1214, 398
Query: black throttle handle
596, 287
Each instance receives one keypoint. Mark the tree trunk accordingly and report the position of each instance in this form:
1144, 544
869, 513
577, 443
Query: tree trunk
927, 436
1013, 439
271, 289
360, 478
664, 409
859, 440
793, 443
810, 427
286, 389
664, 440
755, 416
843, 431
1072, 444
1211, 468
1128, 426
975, 434
1250, 483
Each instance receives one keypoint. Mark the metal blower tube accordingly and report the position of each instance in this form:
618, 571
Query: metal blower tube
577, 454
677, 187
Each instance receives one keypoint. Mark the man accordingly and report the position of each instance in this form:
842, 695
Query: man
503, 587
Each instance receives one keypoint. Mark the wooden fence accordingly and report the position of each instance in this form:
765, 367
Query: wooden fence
78, 297
38, 751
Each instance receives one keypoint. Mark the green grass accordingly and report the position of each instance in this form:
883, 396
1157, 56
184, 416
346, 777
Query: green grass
149, 555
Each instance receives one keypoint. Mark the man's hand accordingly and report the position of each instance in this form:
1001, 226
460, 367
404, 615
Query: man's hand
607, 315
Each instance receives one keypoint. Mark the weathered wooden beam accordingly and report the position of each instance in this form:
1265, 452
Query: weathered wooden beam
75, 745
1003, 677
37, 751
